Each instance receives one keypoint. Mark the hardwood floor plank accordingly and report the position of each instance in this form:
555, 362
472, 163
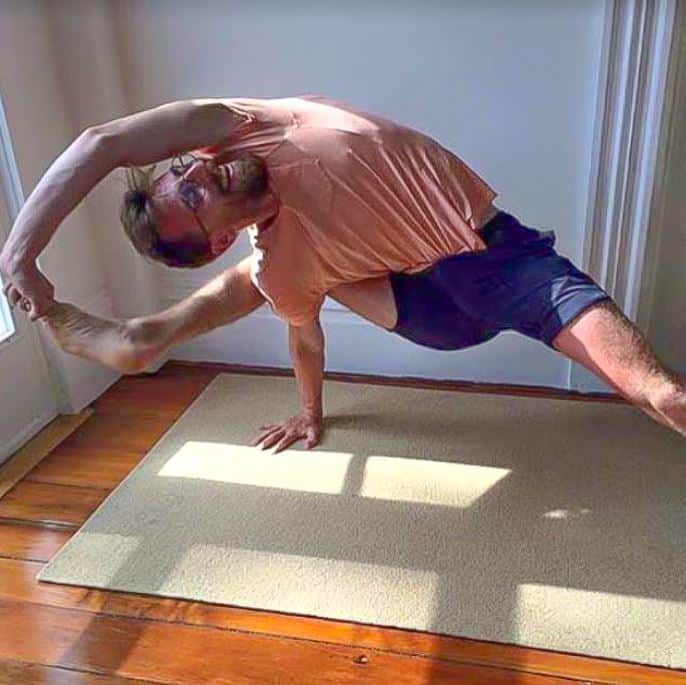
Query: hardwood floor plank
170, 390
29, 542
22, 673
47, 502
196, 655
37, 449
100, 468
103, 451
117, 430
18, 583
123, 430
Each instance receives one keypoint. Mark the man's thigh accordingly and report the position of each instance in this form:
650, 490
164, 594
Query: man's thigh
372, 299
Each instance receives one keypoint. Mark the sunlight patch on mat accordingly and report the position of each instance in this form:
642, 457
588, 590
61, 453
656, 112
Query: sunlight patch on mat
572, 513
303, 583
544, 610
399, 479
429, 482
304, 471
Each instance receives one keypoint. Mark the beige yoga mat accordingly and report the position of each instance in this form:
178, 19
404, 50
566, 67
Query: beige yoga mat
548, 523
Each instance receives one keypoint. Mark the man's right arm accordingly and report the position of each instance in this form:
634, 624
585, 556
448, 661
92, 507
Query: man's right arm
138, 139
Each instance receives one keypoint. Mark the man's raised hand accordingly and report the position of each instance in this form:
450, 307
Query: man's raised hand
25, 285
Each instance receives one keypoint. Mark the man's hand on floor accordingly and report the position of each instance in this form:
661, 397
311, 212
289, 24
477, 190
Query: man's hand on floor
291, 430
24, 284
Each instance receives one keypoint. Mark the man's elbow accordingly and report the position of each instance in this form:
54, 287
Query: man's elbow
307, 339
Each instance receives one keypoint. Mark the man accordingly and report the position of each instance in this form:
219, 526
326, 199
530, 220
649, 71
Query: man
336, 201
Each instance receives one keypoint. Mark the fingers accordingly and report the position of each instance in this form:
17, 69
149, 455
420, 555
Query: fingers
310, 441
268, 432
286, 441
29, 307
34, 308
33, 311
24, 303
283, 439
283, 434
272, 439
29, 289
40, 307
12, 294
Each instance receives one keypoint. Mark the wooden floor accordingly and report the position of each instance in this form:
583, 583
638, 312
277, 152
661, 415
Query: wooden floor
57, 634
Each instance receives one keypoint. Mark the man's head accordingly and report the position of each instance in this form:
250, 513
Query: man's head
192, 213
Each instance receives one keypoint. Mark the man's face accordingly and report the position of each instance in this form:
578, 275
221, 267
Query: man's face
194, 204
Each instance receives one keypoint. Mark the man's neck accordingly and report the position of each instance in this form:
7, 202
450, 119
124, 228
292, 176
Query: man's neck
266, 211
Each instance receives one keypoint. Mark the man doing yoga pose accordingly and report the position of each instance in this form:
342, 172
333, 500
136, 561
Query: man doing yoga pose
337, 201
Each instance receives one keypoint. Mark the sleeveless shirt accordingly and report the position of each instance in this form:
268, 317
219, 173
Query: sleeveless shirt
359, 196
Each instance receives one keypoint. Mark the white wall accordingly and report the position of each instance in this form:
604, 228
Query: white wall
41, 128
89, 64
667, 330
511, 87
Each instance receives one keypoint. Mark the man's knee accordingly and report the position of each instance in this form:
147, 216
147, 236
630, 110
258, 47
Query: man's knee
670, 399
604, 340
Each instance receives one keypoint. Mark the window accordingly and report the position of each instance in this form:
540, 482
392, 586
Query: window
11, 199
7, 329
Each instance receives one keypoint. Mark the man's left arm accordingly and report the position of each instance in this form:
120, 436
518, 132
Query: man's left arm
306, 345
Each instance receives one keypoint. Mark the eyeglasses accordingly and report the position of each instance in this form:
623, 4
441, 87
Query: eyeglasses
180, 164
188, 191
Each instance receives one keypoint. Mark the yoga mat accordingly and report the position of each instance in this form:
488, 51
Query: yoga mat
547, 523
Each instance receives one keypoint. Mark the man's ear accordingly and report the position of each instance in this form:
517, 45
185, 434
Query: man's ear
221, 241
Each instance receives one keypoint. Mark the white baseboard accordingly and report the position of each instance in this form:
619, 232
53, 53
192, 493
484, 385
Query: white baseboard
583, 380
157, 364
260, 339
24, 435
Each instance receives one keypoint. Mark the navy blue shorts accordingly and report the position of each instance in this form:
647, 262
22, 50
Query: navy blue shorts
519, 283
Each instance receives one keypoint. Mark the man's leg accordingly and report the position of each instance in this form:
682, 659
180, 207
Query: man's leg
601, 338
607, 343
131, 346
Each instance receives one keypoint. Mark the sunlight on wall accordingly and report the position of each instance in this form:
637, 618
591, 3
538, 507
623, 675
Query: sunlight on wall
386, 478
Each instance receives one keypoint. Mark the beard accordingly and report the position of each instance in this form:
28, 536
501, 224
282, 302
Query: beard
248, 175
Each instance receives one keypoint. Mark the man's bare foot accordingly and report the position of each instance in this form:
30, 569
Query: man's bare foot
112, 343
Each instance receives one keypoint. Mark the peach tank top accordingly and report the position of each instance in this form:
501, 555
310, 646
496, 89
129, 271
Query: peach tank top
359, 196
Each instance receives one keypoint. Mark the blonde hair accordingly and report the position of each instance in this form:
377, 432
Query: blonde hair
141, 228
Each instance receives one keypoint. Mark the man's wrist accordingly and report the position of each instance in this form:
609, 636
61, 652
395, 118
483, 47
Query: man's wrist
16, 260
313, 413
